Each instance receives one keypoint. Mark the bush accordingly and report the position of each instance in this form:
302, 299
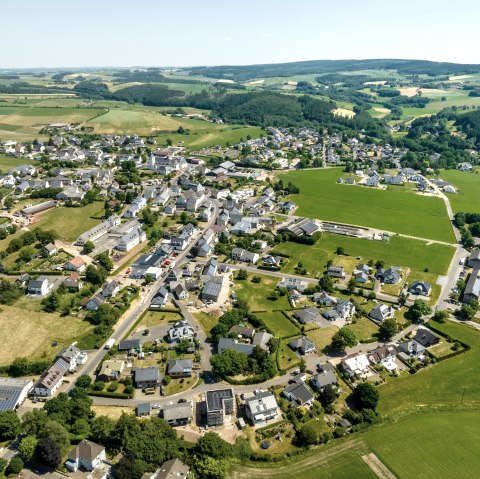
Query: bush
113, 387
15, 467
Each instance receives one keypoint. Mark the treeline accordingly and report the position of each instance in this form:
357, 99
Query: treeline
469, 123
28, 88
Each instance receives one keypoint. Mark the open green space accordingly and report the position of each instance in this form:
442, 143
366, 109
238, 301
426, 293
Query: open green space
70, 223
468, 198
452, 382
399, 251
7, 162
322, 337
323, 198
257, 295
364, 329
155, 318
207, 321
278, 323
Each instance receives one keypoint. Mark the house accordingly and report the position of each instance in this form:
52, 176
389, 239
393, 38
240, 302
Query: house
307, 315
22, 280
130, 344
324, 299
179, 368
73, 282
219, 403
73, 356
49, 250
179, 331
229, 343
420, 288
111, 370
242, 331
131, 239
160, 299
272, 261
336, 272
39, 287
143, 409
326, 377
294, 295
344, 309
388, 276
261, 408
172, 469
356, 365
384, 355
298, 394
426, 338
244, 256
474, 259
86, 455
13, 391
472, 288
180, 291
178, 414
75, 264
411, 349
111, 289
302, 345
51, 379
382, 312
146, 377
464, 166
293, 283
94, 303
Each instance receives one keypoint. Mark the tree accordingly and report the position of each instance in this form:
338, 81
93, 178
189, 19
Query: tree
242, 274
84, 381
3, 464
388, 328
340, 250
26, 254
27, 447
326, 283
15, 467
327, 396
440, 316
48, 452
56, 433
9, 293
344, 338
308, 434
212, 445
101, 430
210, 468
468, 311
51, 303
352, 284
34, 422
365, 396
303, 365
10, 426
418, 309
94, 275
88, 247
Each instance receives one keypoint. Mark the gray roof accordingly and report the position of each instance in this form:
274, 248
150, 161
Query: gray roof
324, 378
214, 399
143, 408
473, 284
299, 392
212, 288
180, 410
147, 374
229, 343
127, 344
179, 365
10, 391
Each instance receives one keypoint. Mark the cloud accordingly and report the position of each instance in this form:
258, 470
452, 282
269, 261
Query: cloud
265, 35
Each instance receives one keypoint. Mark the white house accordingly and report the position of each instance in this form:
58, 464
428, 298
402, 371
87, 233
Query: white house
86, 455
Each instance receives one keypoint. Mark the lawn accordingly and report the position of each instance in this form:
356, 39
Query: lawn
323, 198
154, 318
322, 337
206, 321
414, 254
286, 357
257, 295
8, 162
450, 382
278, 324
364, 329
468, 198
27, 331
70, 223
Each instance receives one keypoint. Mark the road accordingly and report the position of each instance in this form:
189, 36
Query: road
128, 320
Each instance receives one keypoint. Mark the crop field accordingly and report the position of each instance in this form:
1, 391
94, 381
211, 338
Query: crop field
278, 323
323, 198
399, 251
257, 295
25, 123
34, 333
468, 198
70, 223
448, 383
452, 99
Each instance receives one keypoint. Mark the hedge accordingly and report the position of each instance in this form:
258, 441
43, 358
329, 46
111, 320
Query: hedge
107, 394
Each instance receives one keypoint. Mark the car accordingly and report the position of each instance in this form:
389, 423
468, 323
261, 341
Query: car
297, 371
182, 400
146, 332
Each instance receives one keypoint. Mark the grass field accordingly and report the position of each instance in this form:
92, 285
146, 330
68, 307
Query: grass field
286, 357
27, 331
154, 318
70, 223
450, 382
468, 198
278, 323
322, 337
399, 251
323, 198
7, 162
207, 321
257, 295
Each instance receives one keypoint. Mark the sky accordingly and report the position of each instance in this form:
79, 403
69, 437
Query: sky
95, 33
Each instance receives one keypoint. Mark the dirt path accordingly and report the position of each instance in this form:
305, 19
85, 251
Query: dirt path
378, 467
297, 467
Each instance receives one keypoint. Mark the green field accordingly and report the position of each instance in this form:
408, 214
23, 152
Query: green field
450, 382
206, 321
7, 162
323, 198
399, 251
70, 223
256, 295
278, 324
468, 198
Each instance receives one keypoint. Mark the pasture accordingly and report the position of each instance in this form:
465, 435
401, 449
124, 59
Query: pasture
69, 223
399, 251
34, 333
468, 198
323, 198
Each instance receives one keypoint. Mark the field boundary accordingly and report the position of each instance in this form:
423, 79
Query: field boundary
377, 466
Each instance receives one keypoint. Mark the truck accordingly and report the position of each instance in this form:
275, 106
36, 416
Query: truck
109, 343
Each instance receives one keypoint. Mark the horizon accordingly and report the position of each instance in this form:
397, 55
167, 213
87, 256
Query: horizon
156, 34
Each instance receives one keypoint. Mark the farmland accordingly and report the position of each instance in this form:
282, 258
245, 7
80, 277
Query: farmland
414, 254
69, 223
323, 198
468, 198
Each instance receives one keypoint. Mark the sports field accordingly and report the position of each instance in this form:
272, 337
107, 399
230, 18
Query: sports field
467, 199
399, 251
323, 198
70, 223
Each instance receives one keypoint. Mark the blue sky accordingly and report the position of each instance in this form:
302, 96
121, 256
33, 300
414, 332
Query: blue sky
52, 33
